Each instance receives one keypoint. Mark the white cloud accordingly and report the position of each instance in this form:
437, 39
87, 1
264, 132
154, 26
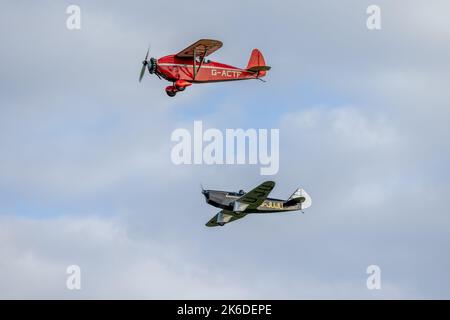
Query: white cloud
36, 253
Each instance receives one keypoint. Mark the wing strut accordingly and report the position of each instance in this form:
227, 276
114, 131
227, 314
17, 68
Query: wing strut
196, 70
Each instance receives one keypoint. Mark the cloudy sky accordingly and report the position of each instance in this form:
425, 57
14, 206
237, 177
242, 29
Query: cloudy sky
86, 176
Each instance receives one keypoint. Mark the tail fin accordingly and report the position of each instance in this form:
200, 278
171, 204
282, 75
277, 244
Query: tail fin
300, 196
257, 64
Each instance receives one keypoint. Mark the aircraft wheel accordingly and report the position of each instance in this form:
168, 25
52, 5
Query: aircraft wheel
171, 93
181, 88
221, 224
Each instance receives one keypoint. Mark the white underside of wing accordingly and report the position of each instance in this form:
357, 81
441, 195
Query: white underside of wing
239, 206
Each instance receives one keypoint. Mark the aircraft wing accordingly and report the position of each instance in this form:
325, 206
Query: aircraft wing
203, 47
254, 198
224, 217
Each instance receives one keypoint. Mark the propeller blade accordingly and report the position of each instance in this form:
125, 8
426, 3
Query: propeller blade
142, 71
144, 64
146, 55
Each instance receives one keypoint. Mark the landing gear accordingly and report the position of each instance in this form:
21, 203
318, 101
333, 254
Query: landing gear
181, 84
171, 91
221, 223
177, 86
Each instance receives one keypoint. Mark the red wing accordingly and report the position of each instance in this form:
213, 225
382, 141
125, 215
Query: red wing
203, 47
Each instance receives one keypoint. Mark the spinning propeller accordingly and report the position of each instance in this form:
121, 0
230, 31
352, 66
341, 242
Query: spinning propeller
150, 64
144, 64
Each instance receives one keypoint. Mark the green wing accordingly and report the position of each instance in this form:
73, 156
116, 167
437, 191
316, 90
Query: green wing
254, 198
224, 217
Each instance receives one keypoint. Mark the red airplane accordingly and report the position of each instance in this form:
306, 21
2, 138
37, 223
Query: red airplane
190, 66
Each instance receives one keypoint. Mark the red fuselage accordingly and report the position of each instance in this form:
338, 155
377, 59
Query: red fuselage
174, 68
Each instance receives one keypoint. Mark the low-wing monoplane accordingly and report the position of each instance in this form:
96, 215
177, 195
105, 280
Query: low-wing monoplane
191, 66
236, 205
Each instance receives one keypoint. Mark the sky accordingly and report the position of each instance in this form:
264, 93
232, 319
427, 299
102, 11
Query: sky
86, 176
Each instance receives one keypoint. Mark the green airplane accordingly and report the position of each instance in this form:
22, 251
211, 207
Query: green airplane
236, 205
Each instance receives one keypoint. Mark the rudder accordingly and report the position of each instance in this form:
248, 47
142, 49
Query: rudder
256, 63
300, 196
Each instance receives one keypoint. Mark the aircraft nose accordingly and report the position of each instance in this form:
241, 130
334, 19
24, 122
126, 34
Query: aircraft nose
153, 64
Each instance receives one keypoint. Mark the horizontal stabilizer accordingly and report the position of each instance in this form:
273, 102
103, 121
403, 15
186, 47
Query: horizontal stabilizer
258, 68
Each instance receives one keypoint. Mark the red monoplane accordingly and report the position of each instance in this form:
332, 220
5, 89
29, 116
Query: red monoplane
191, 66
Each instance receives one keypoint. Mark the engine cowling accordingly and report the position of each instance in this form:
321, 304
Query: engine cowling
152, 65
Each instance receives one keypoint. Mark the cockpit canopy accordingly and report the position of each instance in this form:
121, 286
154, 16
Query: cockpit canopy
237, 194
